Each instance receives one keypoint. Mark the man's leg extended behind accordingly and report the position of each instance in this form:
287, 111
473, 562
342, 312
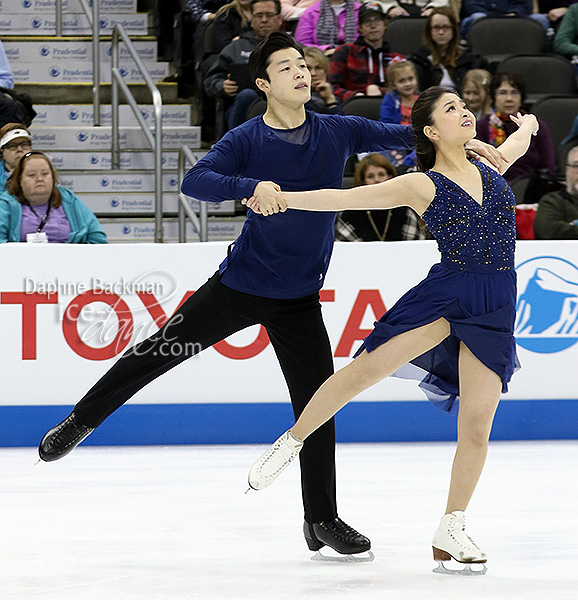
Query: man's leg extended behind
208, 316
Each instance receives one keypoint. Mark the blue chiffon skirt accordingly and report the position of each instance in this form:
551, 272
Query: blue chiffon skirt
480, 307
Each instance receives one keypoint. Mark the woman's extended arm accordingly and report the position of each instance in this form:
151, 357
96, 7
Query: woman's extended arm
414, 189
517, 143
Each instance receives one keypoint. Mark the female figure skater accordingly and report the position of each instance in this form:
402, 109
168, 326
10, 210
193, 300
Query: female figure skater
455, 328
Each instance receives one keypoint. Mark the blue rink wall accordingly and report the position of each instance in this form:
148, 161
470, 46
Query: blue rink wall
169, 424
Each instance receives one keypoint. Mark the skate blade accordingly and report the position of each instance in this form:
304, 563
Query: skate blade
467, 571
362, 557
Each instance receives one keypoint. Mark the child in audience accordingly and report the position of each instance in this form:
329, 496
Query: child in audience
397, 104
476, 92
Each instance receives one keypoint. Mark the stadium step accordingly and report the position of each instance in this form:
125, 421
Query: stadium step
142, 230
82, 115
118, 192
100, 138
21, 23
55, 93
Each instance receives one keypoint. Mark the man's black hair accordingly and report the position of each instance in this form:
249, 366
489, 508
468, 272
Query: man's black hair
275, 41
277, 4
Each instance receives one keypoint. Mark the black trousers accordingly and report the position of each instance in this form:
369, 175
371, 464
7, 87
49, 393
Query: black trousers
215, 311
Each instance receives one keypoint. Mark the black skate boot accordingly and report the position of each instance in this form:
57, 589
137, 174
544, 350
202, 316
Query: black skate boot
63, 438
337, 535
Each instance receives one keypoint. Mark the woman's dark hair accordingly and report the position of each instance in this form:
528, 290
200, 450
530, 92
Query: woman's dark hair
421, 116
259, 59
513, 79
14, 183
453, 50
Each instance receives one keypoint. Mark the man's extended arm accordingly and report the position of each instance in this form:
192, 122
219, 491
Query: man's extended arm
215, 177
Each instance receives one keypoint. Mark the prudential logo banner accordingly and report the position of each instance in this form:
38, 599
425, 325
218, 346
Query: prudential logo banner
547, 308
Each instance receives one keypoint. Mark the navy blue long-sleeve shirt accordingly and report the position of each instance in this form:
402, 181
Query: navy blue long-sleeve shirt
285, 255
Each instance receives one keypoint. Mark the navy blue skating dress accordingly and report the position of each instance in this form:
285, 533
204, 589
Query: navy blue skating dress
473, 288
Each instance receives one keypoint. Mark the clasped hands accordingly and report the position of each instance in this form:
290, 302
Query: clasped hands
267, 199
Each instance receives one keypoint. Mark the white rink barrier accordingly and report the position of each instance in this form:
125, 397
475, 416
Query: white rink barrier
59, 314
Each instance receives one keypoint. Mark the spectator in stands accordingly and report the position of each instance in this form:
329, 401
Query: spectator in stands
198, 14
231, 21
508, 95
265, 18
476, 92
441, 60
327, 24
323, 100
291, 10
360, 68
6, 77
553, 11
397, 104
566, 40
15, 142
557, 216
415, 8
472, 10
33, 208
395, 224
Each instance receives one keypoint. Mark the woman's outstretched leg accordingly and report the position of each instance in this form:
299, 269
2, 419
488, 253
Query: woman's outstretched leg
480, 390
365, 371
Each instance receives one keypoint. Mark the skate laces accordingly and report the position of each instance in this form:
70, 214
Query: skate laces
282, 453
457, 531
341, 530
70, 431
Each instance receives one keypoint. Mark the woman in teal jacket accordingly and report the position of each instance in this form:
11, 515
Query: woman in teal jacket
34, 204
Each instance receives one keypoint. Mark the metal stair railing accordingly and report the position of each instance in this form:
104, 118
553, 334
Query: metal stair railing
185, 209
156, 141
94, 20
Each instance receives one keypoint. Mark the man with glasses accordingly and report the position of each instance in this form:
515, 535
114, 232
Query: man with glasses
15, 141
557, 216
229, 75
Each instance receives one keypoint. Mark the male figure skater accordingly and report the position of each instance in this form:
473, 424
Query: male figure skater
272, 273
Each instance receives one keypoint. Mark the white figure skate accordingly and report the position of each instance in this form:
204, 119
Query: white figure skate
270, 465
451, 541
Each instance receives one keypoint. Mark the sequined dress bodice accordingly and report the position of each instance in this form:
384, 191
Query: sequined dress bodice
470, 236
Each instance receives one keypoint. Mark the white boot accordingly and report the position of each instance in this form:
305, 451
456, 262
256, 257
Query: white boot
451, 541
267, 468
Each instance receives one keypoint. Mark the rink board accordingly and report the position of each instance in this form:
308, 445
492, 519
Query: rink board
260, 423
234, 392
